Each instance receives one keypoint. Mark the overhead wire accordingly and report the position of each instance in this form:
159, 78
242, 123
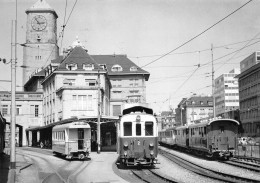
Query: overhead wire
197, 35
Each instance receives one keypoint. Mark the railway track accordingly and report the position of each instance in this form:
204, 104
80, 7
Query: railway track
150, 176
48, 172
204, 171
242, 164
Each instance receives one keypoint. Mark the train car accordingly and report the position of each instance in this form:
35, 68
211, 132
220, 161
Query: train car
167, 137
138, 137
212, 138
72, 140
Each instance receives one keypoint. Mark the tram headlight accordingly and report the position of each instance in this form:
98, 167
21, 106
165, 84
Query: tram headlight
126, 145
151, 146
125, 153
151, 153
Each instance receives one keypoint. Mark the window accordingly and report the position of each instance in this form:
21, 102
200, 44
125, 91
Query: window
90, 82
82, 102
34, 110
133, 68
88, 67
116, 83
71, 82
103, 66
138, 131
148, 128
71, 67
116, 68
4, 109
127, 129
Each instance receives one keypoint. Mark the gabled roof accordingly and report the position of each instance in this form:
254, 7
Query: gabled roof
78, 56
123, 61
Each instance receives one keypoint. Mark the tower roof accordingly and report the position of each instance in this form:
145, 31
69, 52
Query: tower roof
42, 6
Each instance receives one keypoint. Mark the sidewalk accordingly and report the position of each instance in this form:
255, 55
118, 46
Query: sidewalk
23, 172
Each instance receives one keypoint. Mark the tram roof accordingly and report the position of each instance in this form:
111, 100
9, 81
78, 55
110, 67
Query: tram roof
77, 124
137, 109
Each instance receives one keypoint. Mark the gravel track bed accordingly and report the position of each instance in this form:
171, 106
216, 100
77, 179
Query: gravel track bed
181, 174
217, 166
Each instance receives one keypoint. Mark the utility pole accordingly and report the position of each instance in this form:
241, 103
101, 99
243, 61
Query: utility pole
213, 83
98, 117
13, 80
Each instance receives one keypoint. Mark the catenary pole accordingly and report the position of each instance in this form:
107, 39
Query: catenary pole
213, 83
98, 116
13, 103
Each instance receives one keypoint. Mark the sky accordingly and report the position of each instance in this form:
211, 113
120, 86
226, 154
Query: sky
170, 39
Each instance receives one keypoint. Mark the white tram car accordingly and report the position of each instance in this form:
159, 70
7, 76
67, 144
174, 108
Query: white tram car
72, 140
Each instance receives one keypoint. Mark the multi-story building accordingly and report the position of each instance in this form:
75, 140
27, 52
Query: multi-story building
249, 61
167, 119
226, 94
193, 108
127, 79
28, 112
249, 100
73, 86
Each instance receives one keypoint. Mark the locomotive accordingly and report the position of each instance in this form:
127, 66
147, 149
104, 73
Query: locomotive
137, 137
215, 138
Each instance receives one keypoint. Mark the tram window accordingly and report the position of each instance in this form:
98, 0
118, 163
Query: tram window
127, 129
205, 130
138, 129
148, 128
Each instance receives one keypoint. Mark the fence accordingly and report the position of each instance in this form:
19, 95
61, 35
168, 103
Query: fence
250, 151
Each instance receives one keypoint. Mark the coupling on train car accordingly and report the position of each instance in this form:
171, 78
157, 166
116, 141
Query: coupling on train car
216, 138
138, 137
72, 140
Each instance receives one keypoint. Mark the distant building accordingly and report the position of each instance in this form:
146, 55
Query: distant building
249, 100
166, 119
193, 108
28, 112
226, 94
249, 61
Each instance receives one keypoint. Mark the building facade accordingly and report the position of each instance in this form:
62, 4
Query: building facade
127, 79
193, 108
28, 112
249, 100
226, 93
74, 87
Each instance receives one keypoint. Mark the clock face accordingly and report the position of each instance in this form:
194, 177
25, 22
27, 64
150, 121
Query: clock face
39, 23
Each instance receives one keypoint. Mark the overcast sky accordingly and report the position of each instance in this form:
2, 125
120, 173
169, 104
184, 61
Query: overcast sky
146, 30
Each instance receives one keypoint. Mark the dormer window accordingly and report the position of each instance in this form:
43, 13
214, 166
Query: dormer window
88, 67
133, 68
116, 68
103, 66
71, 67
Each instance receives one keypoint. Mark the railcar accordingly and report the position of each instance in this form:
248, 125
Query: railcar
72, 140
167, 137
2, 133
137, 137
211, 138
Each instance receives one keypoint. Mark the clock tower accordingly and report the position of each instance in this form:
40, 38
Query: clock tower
41, 38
